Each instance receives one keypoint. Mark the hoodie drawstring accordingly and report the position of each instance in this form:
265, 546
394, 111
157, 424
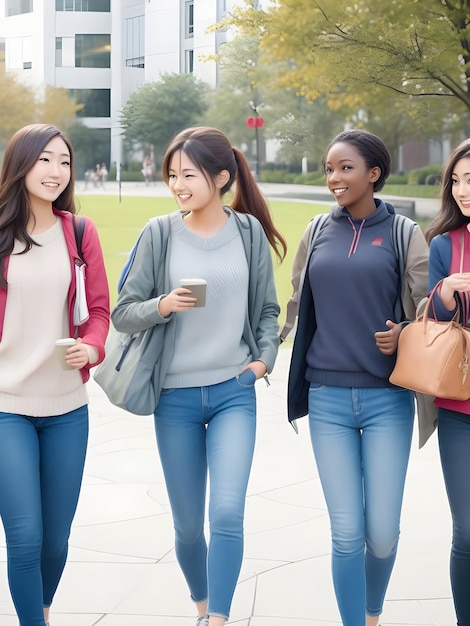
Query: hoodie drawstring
357, 236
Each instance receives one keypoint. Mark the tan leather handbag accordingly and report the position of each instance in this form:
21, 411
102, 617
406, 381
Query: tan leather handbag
433, 357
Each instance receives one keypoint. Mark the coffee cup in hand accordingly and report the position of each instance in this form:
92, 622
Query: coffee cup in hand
61, 347
197, 287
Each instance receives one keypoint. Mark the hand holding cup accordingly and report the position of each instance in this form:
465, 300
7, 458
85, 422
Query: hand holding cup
197, 286
61, 347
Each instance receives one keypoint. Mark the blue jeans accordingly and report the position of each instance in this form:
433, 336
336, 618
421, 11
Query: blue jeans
41, 467
200, 430
361, 439
454, 447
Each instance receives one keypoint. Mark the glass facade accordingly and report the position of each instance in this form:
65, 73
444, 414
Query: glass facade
135, 41
96, 102
97, 6
92, 51
189, 61
189, 19
19, 53
18, 7
83, 51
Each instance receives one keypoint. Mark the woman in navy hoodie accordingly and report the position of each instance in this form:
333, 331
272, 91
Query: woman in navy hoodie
349, 319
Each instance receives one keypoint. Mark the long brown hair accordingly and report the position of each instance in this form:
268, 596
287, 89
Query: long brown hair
450, 216
210, 150
21, 155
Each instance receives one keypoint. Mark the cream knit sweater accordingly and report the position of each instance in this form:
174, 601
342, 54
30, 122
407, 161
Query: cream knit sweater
32, 381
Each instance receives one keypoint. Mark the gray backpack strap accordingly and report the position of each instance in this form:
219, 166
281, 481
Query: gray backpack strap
402, 231
318, 222
162, 223
299, 267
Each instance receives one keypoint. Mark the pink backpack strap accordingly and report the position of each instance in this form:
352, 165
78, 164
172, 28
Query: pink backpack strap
460, 261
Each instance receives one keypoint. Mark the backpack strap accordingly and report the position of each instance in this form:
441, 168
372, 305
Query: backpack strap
163, 225
299, 267
402, 231
78, 229
318, 222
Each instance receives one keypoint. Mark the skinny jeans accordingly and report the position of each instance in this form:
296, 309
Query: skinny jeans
211, 431
361, 440
41, 468
454, 447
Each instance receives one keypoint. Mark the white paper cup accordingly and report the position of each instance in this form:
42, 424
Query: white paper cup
198, 289
61, 347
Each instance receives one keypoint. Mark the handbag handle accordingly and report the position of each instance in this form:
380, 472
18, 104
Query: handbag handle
425, 317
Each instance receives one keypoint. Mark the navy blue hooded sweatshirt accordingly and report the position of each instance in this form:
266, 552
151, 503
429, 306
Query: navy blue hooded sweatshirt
350, 289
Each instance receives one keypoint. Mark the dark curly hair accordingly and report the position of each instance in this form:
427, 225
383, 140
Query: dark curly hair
370, 147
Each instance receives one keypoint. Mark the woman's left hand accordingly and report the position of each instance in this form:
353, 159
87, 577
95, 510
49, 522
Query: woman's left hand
387, 340
258, 367
78, 356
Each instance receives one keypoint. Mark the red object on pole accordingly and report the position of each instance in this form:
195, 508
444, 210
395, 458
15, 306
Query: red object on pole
255, 122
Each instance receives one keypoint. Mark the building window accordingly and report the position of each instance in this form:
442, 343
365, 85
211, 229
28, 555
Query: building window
97, 6
65, 52
92, 51
135, 41
83, 51
189, 19
96, 102
18, 7
189, 61
19, 53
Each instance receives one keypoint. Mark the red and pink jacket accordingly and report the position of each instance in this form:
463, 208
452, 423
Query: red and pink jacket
95, 330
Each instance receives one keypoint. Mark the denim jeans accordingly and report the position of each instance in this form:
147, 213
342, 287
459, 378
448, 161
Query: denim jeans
361, 439
41, 468
200, 430
454, 448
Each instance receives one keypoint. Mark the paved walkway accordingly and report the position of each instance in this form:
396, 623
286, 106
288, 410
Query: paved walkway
122, 571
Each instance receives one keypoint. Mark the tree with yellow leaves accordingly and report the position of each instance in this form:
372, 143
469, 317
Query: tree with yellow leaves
373, 55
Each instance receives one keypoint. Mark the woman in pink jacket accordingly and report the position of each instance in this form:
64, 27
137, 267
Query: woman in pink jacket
43, 407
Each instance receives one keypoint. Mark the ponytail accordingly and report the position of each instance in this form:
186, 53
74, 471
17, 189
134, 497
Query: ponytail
249, 199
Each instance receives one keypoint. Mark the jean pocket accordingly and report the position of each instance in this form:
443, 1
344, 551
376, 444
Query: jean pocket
314, 387
165, 392
246, 378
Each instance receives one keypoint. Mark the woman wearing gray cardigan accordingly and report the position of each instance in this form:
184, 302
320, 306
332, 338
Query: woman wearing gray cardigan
205, 418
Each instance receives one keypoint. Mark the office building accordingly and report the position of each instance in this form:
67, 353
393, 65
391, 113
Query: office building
103, 50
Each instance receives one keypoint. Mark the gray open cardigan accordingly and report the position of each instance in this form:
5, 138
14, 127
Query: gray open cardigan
147, 282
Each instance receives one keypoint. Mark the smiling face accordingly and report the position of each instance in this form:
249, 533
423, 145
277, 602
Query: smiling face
50, 175
461, 185
350, 180
192, 189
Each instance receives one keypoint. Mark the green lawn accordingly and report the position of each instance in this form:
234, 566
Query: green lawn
412, 191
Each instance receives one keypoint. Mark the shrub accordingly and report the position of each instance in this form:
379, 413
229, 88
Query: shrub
397, 179
433, 179
418, 176
276, 176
